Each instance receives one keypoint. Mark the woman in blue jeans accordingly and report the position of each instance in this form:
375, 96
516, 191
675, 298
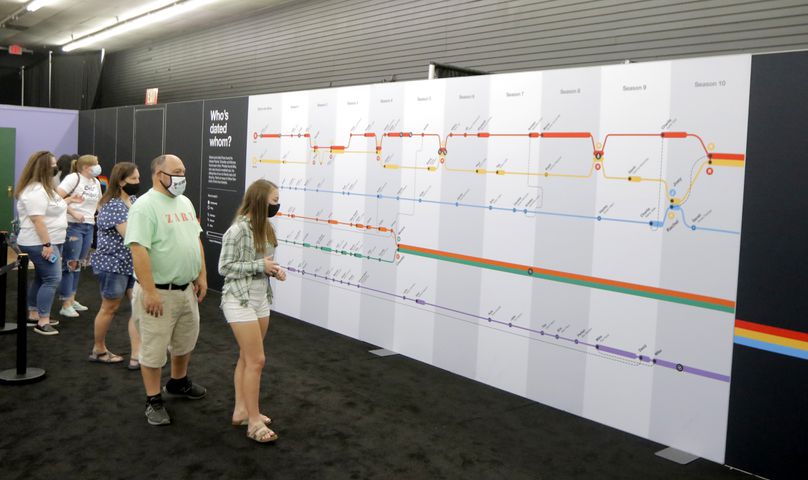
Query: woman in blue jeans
112, 261
82, 182
43, 224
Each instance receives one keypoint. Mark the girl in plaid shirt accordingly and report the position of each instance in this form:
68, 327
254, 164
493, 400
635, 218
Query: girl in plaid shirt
246, 263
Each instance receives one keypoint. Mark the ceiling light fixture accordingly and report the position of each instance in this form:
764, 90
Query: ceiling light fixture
143, 20
36, 5
29, 7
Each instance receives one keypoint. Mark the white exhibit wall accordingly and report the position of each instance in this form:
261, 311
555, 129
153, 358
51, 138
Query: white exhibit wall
570, 236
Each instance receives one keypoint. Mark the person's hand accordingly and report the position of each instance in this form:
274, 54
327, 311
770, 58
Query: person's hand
75, 198
200, 289
270, 266
47, 252
280, 274
78, 217
153, 303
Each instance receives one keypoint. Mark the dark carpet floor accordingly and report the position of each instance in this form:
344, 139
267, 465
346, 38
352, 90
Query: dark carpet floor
341, 413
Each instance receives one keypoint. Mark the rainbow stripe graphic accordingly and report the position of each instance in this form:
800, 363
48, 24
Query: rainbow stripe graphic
772, 339
104, 181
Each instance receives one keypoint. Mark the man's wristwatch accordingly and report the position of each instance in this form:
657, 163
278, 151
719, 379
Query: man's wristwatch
46, 245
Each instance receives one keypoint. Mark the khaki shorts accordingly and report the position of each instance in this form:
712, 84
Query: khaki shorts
176, 330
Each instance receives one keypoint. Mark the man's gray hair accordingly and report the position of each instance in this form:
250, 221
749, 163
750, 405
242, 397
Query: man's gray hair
157, 163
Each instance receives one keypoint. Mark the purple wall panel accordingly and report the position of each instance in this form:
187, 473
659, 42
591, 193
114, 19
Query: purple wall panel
40, 129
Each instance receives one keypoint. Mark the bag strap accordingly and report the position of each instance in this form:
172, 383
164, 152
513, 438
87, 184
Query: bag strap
78, 181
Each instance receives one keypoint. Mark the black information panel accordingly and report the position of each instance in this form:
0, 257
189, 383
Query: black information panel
767, 433
224, 150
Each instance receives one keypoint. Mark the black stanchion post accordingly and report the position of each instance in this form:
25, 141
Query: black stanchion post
23, 373
5, 327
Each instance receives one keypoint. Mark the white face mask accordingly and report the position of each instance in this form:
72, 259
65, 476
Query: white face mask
95, 170
177, 185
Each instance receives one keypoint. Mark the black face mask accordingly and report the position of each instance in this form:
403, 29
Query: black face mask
131, 188
272, 210
55, 171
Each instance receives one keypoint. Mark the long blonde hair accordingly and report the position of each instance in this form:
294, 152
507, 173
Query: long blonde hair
38, 169
254, 207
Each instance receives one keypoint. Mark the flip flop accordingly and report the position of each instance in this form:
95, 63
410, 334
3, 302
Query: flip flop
105, 357
260, 434
246, 422
133, 366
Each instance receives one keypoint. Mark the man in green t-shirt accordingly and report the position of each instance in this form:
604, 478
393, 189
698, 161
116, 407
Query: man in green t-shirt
163, 233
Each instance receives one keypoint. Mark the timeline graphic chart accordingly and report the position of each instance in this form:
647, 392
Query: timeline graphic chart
571, 236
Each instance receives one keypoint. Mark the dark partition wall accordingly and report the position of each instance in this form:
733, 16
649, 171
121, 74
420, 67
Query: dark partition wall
184, 124
139, 134
149, 137
768, 416
125, 116
86, 131
105, 138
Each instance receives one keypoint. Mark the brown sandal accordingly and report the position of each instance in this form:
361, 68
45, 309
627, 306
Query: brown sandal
105, 357
260, 434
246, 421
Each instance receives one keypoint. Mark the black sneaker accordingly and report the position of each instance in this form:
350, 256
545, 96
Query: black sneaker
46, 330
31, 322
156, 414
190, 390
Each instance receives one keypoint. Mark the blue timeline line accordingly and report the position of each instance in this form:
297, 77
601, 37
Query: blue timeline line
654, 224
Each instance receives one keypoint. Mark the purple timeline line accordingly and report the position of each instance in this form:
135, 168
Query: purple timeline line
658, 362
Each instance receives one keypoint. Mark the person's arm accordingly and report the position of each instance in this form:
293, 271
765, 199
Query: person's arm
143, 271
71, 199
113, 214
42, 232
231, 264
201, 282
78, 216
280, 274
64, 189
35, 202
138, 238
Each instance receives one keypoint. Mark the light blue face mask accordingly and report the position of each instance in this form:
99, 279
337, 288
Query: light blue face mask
95, 170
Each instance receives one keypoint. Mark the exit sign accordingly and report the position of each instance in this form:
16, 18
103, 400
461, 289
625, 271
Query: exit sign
151, 96
15, 49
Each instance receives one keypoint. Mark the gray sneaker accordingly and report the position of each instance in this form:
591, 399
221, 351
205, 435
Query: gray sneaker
156, 414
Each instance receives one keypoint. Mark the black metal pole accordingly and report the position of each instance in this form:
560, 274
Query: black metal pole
22, 314
23, 373
4, 327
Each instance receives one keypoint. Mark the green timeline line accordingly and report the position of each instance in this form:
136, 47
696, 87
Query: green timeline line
572, 281
335, 251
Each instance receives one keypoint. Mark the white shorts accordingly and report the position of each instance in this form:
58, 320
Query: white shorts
258, 306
